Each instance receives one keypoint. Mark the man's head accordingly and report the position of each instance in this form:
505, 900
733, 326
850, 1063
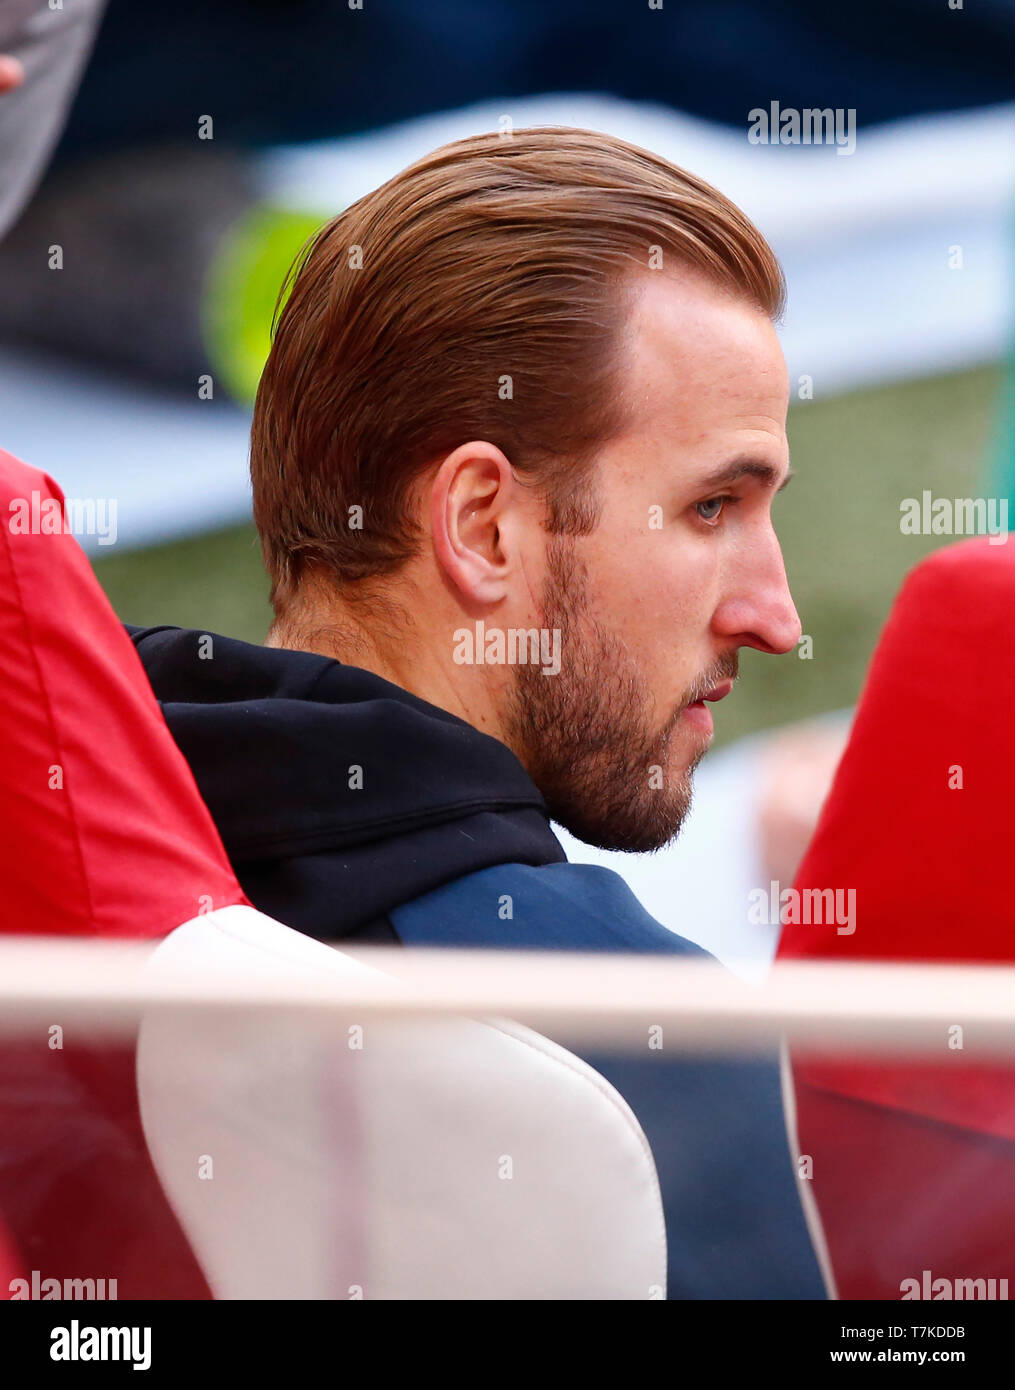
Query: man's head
528, 393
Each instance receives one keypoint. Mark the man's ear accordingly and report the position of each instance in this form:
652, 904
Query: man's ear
474, 516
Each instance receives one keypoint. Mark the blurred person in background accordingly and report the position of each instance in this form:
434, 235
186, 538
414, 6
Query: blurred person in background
43, 51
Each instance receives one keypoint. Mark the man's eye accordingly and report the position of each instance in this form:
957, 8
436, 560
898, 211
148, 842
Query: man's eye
709, 511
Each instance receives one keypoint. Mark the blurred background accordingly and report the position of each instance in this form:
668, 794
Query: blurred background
206, 143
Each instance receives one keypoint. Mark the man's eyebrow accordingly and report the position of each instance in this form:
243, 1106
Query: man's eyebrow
765, 473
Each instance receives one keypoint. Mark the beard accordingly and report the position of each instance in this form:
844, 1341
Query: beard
585, 734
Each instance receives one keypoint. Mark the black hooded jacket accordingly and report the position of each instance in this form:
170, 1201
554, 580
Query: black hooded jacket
338, 795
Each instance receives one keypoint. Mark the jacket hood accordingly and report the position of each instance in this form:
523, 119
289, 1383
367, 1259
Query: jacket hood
338, 795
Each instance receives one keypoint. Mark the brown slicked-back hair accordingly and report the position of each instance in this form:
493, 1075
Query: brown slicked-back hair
479, 294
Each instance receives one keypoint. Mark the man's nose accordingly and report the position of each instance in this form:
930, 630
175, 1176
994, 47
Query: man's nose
759, 611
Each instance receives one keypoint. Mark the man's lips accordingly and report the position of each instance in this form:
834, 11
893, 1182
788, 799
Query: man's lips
696, 711
718, 692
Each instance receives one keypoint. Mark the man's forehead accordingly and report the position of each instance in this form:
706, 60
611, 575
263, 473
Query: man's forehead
692, 350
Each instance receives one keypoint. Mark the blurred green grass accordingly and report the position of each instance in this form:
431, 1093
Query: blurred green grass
214, 582
855, 458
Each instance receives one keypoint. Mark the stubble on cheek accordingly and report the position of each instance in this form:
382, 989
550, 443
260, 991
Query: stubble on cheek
590, 736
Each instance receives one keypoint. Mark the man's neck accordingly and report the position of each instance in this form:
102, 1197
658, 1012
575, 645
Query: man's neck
405, 661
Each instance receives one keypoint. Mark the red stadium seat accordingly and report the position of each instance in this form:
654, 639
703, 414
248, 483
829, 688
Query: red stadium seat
914, 1165
102, 833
